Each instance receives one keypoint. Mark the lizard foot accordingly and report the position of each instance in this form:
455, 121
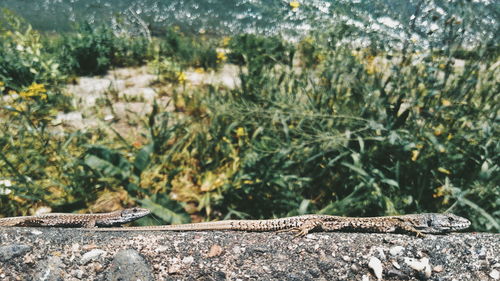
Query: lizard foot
419, 234
306, 227
299, 232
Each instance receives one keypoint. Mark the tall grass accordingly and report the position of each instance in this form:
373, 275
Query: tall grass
360, 133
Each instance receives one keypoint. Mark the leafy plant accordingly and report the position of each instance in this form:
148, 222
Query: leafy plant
22, 57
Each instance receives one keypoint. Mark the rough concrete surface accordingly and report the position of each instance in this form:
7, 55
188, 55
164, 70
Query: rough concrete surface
73, 254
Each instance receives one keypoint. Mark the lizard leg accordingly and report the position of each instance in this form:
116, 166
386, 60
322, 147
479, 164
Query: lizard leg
307, 226
410, 229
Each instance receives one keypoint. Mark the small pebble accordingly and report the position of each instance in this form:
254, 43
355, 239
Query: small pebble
215, 250
438, 268
495, 274
396, 250
92, 255
188, 260
36, 232
420, 265
396, 264
376, 265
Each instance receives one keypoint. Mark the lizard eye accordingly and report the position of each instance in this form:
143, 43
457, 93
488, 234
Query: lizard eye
429, 223
450, 219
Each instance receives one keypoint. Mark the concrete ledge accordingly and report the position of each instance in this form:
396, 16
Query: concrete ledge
72, 254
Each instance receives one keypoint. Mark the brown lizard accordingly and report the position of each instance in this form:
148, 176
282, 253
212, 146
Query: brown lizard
417, 224
77, 220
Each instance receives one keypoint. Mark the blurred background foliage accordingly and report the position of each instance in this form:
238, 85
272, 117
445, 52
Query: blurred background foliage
323, 125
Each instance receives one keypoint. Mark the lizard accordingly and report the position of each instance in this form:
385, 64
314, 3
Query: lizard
418, 224
77, 220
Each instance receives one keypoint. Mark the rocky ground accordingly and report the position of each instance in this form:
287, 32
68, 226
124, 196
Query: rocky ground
73, 254
120, 99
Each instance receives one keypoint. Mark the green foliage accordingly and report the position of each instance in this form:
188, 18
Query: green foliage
35, 163
188, 51
23, 60
256, 55
175, 45
40, 166
94, 50
360, 135
88, 52
108, 168
354, 130
259, 52
310, 54
130, 51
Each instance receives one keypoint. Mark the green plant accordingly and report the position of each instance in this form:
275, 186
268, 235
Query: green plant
130, 51
87, 52
188, 51
258, 52
355, 130
360, 135
94, 50
23, 59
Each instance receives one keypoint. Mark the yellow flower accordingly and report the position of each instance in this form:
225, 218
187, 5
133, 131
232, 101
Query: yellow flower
414, 155
37, 88
25, 94
221, 57
440, 192
295, 5
240, 132
181, 77
20, 108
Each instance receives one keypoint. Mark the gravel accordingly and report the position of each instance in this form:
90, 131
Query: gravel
70, 254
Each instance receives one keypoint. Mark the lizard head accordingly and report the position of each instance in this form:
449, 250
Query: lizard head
441, 223
122, 216
134, 213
